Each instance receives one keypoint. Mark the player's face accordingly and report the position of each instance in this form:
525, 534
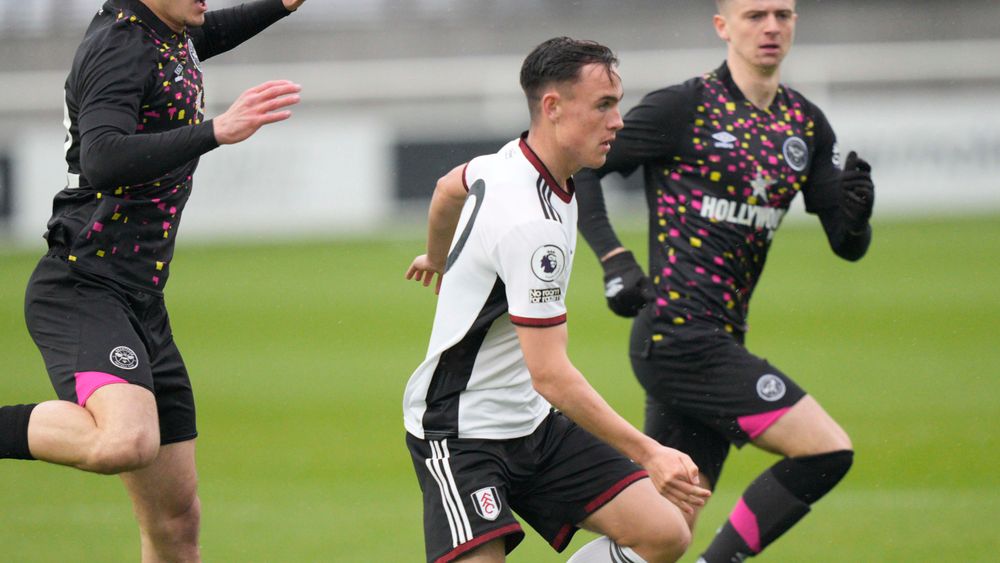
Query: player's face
759, 32
178, 14
590, 116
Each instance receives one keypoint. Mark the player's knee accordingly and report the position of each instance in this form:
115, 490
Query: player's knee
665, 542
179, 523
124, 451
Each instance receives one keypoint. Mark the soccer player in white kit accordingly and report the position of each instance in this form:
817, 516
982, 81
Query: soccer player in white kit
498, 419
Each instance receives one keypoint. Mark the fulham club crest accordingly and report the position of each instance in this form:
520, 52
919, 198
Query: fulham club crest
487, 503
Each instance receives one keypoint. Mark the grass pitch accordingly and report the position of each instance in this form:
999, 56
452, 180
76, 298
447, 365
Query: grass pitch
299, 354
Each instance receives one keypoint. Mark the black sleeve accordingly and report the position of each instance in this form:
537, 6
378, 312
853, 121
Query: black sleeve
111, 84
823, 196
849, 246
110, 157
225, 29
651, 132
593, 215
822, 189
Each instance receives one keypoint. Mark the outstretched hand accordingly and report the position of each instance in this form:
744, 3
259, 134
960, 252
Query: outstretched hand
675, 476
423, 270
254, 109
626, 287
292, 5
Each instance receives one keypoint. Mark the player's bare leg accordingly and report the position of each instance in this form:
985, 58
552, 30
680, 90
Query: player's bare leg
639, 525
492, 552
118, 430
818, 453
165, 500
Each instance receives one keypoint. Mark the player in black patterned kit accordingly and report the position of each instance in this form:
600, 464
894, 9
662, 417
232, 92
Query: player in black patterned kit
723, 156
94, 305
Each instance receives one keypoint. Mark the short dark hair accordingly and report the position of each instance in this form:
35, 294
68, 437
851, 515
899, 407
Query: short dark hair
559, 60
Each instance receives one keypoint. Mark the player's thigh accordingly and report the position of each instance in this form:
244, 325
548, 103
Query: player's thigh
168, 487
670, 426
636, 515
715, 380
491, 552
806, 429
566, 474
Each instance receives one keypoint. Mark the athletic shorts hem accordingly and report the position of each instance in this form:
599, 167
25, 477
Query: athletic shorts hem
184, 438
565, 535
514, 534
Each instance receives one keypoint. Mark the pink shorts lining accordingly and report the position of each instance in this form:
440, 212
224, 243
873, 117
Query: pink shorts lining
89, 381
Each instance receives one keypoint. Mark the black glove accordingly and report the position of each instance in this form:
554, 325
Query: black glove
626, 286
857, 192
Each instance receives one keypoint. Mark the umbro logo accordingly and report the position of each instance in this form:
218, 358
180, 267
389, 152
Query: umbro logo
724, 140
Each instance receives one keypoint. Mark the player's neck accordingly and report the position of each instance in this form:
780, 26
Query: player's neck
547, 149
759, 85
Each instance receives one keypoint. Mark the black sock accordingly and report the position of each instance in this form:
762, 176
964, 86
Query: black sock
14, 432
774, 502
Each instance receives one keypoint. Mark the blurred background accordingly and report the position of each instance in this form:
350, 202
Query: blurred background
299, 330
395, 93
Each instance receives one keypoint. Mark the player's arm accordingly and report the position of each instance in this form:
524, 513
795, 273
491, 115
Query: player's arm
842, 197
650, 132
558, 380
112, 154
225, 29
445, 211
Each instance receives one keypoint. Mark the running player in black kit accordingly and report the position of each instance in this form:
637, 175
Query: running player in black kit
723, 156
94, 305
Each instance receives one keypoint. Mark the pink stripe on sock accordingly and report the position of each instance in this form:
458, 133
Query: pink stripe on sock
89, 381
745, 524
755, 424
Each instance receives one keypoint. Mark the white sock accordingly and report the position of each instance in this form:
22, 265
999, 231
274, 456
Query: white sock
603, 550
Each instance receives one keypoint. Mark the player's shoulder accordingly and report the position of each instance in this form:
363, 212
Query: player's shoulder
504, 167
795, 98
681, 93
118, 35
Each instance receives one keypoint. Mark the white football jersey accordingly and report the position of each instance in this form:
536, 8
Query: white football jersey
509, 264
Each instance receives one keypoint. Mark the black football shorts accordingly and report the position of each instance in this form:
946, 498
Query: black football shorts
92, 332
553, 478
705, 391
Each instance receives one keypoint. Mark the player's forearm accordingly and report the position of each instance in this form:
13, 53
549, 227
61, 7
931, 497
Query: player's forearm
576, 398
593, 221
111, 158
445, 211
225, 29
848, 245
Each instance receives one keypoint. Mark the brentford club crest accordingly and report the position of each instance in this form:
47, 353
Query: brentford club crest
487, 503
123, 357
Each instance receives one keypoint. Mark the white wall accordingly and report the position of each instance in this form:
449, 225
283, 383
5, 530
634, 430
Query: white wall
924, 114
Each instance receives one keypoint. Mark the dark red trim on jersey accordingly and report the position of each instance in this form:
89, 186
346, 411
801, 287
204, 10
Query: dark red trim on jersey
565, 195
465, 183
565, 534
525, 321
478, 541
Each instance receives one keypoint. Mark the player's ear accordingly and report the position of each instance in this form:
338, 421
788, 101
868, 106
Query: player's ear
552, 105
720, 27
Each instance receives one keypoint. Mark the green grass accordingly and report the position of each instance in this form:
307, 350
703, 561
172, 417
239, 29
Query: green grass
299, 354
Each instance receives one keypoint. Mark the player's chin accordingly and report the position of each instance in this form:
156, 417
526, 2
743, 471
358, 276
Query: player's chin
596, 161
196, 20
